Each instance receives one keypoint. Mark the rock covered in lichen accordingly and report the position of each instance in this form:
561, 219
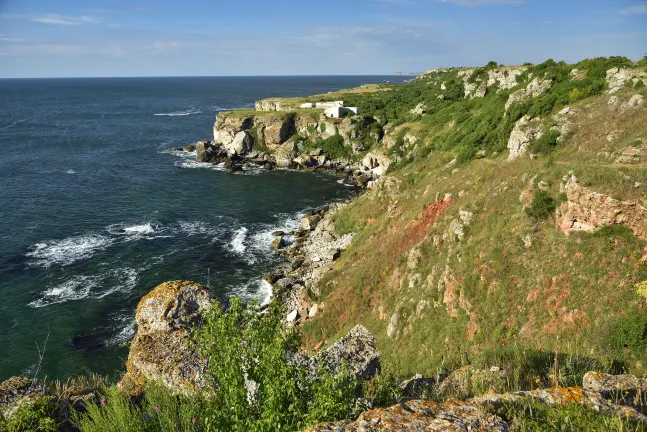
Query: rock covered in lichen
17, 391
160, 350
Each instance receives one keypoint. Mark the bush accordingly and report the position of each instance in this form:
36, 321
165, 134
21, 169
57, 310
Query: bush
546, 143
542, 205
333, 147
254, 385
39, 416
630, 331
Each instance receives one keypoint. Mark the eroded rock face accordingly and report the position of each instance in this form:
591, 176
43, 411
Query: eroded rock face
226, 127
585, 210
535, 88
525, 130
160, 350
618, 77
240, 145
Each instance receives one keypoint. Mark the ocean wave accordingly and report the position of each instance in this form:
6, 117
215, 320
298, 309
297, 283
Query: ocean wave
238, 241
9, 126
255, 289
67, 251
201, 165
136, 232
125, 328
191, 111
192, 228
80, 287
124, 280
75, 288
261, 241
70, 172
183, 154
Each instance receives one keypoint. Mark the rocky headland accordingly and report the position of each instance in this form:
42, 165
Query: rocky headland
468, 238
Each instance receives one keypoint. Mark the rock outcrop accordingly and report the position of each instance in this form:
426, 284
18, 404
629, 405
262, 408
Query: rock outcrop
585, 210
17, 391
160, 350
535, 88
617, 78
525, 131
420, 415
476, 414
357, 351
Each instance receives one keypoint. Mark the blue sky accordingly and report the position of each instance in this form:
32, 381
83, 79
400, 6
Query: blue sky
46, 38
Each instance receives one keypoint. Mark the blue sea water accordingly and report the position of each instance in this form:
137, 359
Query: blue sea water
96, 209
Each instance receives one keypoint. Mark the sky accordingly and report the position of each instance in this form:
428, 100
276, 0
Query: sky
84, 38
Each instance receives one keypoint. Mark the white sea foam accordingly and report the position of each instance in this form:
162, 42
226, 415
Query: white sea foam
125, 326
343, 182
191, 164
14, 123
67, 251
255, 289
124, 280
75, 288
192, 228
238, 241
261, 241
80, 287
70, 172
183, 154
191, 111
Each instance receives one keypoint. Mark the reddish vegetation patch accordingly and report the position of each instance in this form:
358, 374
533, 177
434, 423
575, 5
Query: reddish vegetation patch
416, 230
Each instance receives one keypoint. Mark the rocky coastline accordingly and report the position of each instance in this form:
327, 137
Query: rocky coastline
161, 350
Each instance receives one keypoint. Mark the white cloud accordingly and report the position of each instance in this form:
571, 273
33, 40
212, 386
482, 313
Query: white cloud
635, 10
10, 39
482, 2
64, 20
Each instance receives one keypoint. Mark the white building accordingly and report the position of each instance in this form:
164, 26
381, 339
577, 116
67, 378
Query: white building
340, 111
322, 104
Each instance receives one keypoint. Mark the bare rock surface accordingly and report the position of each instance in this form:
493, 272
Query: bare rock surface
525, 130
586, 210
160, 350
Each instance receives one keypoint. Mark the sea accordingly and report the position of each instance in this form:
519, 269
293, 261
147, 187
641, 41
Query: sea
96, 209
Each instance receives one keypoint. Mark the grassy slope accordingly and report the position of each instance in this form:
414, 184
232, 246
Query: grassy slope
488, 299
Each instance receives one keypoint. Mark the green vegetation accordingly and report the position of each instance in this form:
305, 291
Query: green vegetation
254, 386
39, 416
532, 416
333, 147
542, 205
546, 143
630, 331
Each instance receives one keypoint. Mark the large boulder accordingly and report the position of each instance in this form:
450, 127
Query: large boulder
240, 145
285, 154
17, 391
160, 350
358, 350
586, 210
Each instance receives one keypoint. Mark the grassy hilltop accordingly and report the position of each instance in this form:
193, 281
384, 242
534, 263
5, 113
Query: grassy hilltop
486, 277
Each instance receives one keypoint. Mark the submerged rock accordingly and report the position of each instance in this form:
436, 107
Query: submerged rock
160, 350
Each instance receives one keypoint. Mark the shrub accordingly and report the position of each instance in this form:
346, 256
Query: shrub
546, 143
542, 205
630, 331
334, 147
39, 416
254, 385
